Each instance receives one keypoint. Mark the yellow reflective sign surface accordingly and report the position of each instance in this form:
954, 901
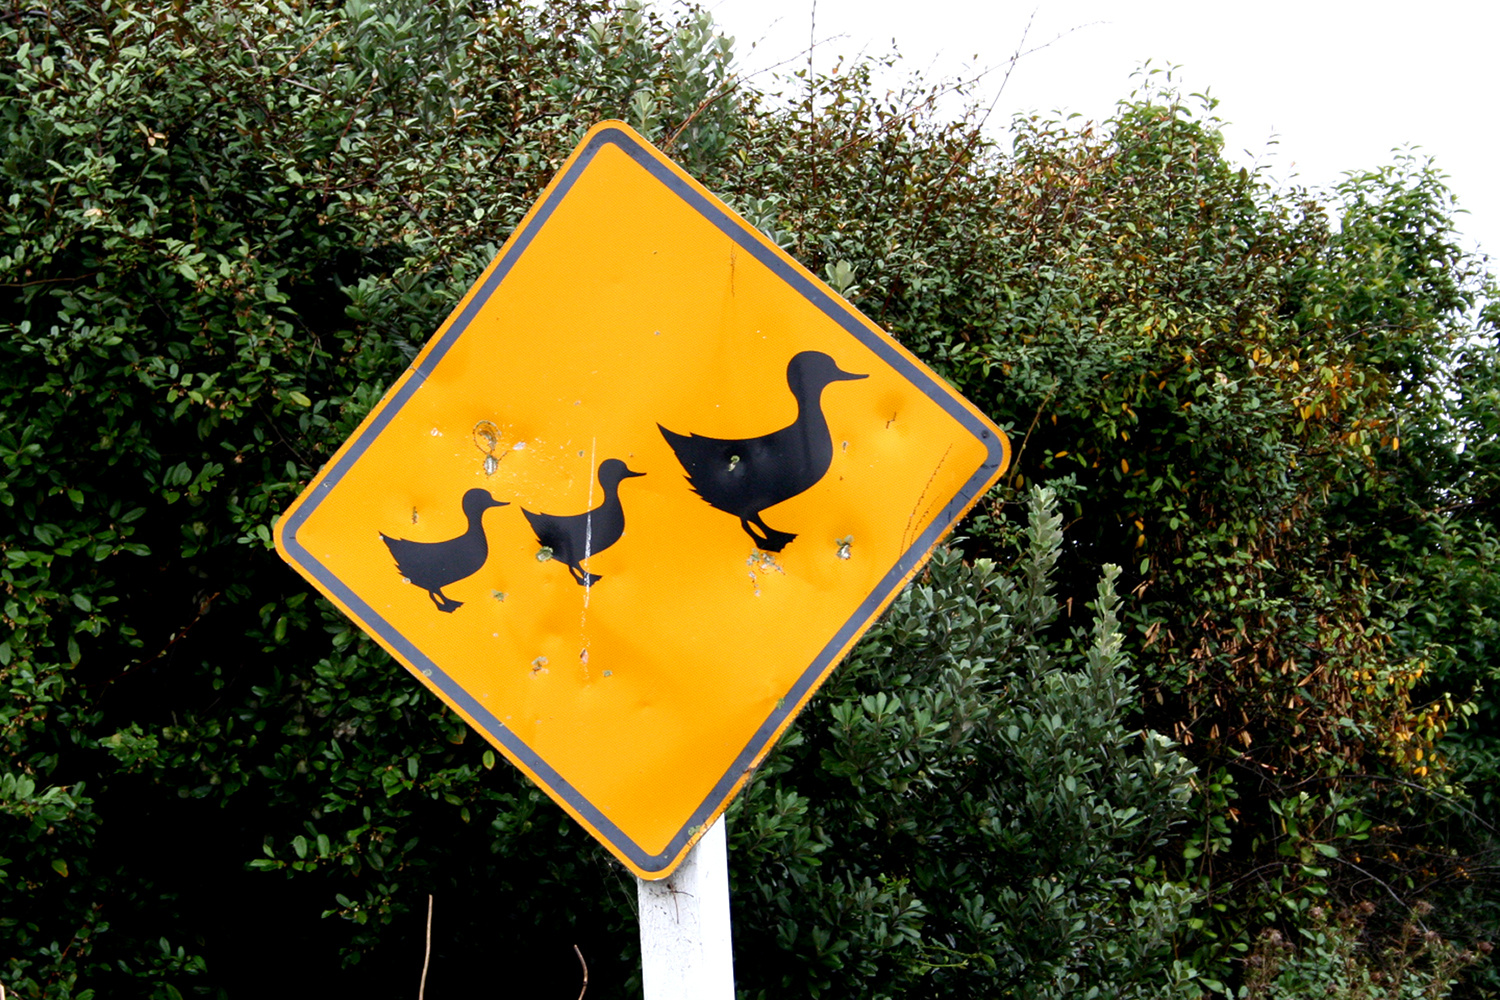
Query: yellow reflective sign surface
636, 498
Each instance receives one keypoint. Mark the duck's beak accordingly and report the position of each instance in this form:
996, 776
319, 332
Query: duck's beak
844, 376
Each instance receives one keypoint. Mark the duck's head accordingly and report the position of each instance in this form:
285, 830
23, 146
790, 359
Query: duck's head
810, 371
478, 501
612, 470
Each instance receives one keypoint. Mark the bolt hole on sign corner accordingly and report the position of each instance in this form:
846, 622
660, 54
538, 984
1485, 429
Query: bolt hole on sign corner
637, 497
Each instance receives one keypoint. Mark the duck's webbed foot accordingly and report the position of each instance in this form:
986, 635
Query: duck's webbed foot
773, 540
583, 577
443, 602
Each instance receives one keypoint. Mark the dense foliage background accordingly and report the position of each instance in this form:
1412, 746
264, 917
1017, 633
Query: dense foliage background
1207, 704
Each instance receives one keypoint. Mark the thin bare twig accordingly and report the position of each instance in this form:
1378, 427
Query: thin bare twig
46, 281
979, 127
577, 951
727, 87
1011, 66
790, 59
426, 957
812, 132
1388, 890
353, 114
960, 82
303, 51
1015, 463
203, 607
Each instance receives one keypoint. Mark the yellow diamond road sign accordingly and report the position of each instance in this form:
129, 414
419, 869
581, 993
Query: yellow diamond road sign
638, 496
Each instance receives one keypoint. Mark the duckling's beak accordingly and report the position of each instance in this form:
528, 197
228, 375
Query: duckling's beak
630, 473
496, 503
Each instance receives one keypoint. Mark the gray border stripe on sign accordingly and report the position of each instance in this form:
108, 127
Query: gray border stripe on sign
832, 308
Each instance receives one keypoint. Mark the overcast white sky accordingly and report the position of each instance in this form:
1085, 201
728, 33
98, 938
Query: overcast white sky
1336, 85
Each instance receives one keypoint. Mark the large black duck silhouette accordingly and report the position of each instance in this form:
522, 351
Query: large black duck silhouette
433, 565
744, 477
573, 538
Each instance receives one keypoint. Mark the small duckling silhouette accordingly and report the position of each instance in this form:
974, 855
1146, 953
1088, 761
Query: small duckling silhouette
433, 565
574, 537
743, 477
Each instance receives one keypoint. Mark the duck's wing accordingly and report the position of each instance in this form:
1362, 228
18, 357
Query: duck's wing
396, 546
555, 532
740, 476
703, 459
412, 558
541, 524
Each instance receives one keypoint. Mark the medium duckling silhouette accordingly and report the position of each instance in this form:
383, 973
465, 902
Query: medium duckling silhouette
744, 477
433, 565
574, 537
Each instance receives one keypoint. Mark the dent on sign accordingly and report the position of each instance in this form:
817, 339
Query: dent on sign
562, 558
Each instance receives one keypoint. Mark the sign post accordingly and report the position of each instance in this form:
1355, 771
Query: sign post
685, 933
636, 498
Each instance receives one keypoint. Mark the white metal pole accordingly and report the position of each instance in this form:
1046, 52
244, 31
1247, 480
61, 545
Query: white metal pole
685, 944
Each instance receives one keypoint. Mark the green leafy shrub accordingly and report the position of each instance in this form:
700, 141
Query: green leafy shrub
1330, 961
984, 819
